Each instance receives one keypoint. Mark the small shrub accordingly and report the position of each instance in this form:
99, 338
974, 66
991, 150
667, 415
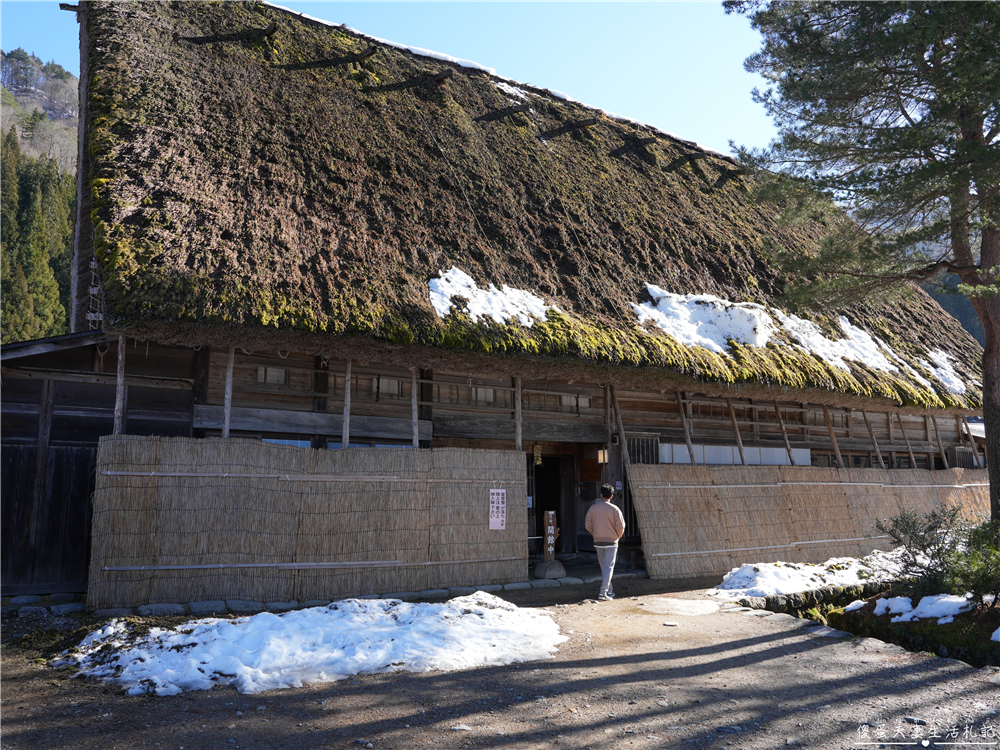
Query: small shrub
939, 556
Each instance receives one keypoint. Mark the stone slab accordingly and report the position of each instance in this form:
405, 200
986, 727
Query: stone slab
544, 583
161, 610
435, 594
462, 590
516, 586
62, 598
19, 601
244, 606
208, 608
550, 569
406, 596
66, 609
368, 596
309, 603
570, 581
114, 612
490, 588
281, 606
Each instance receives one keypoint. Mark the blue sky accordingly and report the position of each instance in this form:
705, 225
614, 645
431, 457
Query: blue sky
675, 65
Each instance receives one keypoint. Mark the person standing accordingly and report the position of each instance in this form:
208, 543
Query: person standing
606, 524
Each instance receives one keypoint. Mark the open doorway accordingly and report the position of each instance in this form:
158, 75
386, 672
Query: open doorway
552, 485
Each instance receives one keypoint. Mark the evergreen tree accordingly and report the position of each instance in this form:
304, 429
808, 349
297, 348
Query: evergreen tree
35, 243
893, 111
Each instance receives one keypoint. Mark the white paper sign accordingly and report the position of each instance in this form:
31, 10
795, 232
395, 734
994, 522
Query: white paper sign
498, 510
530, 503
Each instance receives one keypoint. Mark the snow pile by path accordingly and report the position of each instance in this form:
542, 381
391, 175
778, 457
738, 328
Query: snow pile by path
499, 304
942, 606
323, 644
706, 320
769, 579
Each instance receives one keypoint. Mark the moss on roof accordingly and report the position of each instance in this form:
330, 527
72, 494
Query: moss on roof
271, 184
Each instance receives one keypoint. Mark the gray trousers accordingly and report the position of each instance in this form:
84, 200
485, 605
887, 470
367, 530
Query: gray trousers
606, 559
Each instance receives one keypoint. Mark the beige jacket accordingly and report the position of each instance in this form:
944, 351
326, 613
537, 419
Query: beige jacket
605, 522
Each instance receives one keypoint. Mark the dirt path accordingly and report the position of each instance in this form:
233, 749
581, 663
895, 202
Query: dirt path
623, 680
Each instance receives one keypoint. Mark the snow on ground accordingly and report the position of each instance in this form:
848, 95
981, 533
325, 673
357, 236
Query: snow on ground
779, 578
499, 304
767, 579
322, 644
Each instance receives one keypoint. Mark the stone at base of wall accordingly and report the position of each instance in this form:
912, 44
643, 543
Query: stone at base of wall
550, 569
29, 603
161, 610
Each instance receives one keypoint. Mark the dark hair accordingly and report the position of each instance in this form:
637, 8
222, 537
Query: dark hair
607, 491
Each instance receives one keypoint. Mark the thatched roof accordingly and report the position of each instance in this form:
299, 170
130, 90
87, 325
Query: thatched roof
268, 189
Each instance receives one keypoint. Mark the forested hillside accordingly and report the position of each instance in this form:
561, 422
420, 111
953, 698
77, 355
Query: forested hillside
38, 186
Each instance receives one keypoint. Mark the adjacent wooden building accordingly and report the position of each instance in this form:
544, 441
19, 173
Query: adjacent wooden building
292, 233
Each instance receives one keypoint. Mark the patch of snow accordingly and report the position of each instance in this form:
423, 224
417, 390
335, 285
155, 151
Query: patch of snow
323, 644
779, 578
942, 606
706, 320
856, 604
996, 635
943, 371
499, 304
858, 344
895, 605
513, 91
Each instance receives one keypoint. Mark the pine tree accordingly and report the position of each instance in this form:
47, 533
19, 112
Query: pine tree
893, 111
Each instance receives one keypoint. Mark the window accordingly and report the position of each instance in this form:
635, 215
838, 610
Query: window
483, 395
382, 387
860, 462
289, 441
272, 375
571, 401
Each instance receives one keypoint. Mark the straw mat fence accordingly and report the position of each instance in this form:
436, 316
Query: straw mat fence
241, 519
698, 521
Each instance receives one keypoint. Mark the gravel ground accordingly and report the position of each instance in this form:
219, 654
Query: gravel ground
625, 679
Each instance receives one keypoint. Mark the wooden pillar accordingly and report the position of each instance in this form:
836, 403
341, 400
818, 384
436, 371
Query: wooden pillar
784, 434
888, 421
871, 434
37, 527
736, 430
228, 409
414, 408
345, 440
679, 395
621, 426
120, 389
972, 443
518, 442
833, 436
937, 433
909, 448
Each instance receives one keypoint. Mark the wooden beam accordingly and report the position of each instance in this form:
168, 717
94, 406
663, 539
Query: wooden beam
345, 439
679, 395
210, 417
67, 376
888, 421
972, 444
518, 437
120, 389
621, 426
937, 434
363, 57
736, 431
833, 436
441, 77
228, 407
909, 448
414, 409
784, 434
871, 433
543, 429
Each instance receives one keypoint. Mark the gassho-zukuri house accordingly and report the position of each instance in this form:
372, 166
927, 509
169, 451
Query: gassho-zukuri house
351, 317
